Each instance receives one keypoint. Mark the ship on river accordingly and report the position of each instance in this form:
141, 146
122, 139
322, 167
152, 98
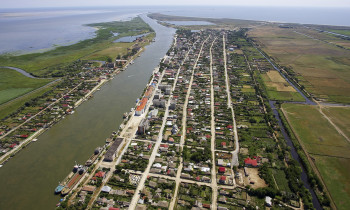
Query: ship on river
71, 180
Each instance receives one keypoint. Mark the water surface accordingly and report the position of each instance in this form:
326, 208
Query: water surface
28, 180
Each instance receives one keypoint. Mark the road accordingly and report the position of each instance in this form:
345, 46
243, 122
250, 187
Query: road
235, 152
214, 185
182, 140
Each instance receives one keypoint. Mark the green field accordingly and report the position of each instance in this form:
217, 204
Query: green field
340, 116
278, 88
322, 68
330, 150
344, 32
281, 180
14, 84
335, 173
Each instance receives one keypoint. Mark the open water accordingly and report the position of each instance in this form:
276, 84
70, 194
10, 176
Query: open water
28, 30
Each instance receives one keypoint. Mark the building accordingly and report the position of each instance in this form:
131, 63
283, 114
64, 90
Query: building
111, 153
250, 162
140, 109
172, 105
268, 201
159, 103
165, 88
143, 127
222, 169
149, 91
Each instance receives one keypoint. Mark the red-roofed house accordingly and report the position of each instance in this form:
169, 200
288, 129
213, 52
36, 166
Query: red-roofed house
222, 169
206, 205
250, 162
100, 174
222, 180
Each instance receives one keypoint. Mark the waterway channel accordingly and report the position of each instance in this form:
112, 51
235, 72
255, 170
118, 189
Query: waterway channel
28, 180
295, 156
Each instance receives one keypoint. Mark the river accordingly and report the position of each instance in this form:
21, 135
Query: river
28, 180
296, 157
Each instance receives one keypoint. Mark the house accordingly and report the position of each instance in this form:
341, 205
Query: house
222, 180
152, 184
206, 205
89, 189
106, 189
163, 147
268, 201
221, 162
185, 176
222, 169
100, 174
250, 162
222, 199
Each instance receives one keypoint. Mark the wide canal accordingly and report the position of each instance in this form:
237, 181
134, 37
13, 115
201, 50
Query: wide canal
28, 180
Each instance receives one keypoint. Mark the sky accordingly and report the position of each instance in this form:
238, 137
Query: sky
88, 3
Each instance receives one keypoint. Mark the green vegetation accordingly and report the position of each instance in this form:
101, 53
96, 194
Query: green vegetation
339, 116
43, 64
278, 88
326, 146
12, 106
65, 60
14, 84
317, 65
344, 32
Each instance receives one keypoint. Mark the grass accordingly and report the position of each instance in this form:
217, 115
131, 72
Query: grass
40, 63
344, 32
14, 84
326, 146
278, 88
320, 67
335, 173
12, 106
339, 116
47, 64
281, 180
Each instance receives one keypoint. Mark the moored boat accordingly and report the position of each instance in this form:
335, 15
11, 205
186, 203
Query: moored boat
65, 191
59, 188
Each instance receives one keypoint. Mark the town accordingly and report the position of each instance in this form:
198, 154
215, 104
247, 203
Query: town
202, 136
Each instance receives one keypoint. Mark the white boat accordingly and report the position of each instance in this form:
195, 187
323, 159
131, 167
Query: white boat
35, 140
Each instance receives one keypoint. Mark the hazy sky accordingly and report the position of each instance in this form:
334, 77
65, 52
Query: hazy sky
67, 3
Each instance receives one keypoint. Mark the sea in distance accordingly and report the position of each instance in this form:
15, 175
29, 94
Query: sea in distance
37, 30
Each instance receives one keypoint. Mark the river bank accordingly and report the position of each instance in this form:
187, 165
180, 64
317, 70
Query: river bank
34, 173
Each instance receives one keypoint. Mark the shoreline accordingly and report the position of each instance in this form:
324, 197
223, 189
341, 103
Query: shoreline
8, 155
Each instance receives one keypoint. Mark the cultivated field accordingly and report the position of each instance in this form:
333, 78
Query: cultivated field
329, 150
14, 84
278, 88
321, 67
